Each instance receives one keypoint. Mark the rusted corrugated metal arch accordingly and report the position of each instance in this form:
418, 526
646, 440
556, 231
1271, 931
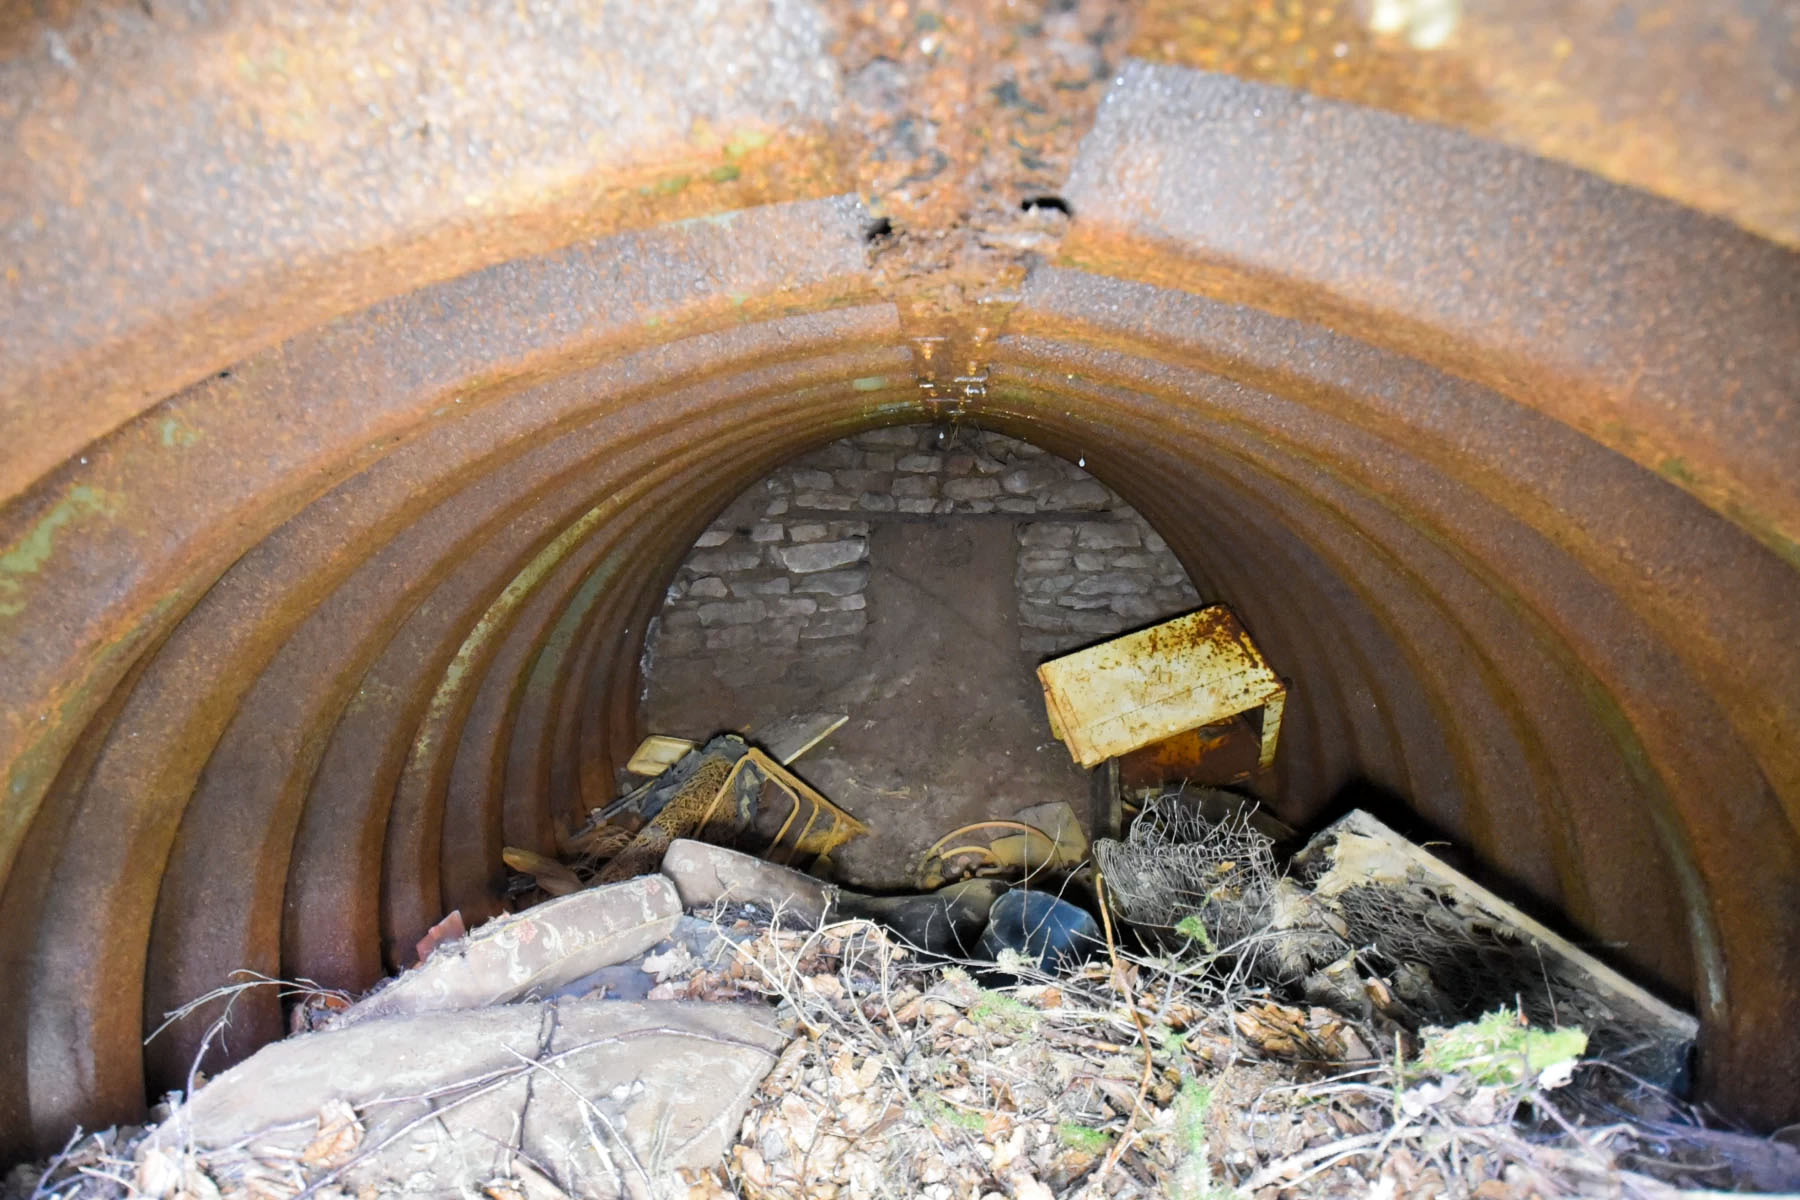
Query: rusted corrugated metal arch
1489, 454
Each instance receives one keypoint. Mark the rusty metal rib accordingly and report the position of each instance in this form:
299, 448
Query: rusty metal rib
328, 567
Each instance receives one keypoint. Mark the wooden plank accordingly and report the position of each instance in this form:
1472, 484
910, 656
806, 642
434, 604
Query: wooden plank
657, 753
1359, 851
787, 739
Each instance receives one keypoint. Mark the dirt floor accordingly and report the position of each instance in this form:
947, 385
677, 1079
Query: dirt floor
947, 722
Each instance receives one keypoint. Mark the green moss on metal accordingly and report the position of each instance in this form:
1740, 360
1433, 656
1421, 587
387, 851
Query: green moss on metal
724, 220
667, 186
556, 647
492, 623
32, 772
176, 435
1676, 469
745, 141
1764, 530
31, 552
906, 411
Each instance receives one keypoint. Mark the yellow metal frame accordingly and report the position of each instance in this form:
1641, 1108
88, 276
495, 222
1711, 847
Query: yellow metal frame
843, 826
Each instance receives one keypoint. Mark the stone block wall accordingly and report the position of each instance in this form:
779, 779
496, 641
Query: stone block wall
920, 470
1079, 581
785, 567
768, 583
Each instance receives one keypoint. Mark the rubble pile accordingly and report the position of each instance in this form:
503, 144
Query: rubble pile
716, 1032
1182, 1011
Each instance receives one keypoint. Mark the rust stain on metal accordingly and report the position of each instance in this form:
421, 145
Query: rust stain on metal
961, 124
1613, 88
1219, 755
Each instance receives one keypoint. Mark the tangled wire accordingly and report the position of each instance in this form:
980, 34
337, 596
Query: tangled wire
1178, 873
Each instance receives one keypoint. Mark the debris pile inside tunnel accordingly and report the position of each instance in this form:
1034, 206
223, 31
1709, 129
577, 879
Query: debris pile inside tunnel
720, 1026
368, 372
667, 1016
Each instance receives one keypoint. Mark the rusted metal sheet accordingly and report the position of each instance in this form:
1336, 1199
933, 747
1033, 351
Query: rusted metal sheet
1691, 101
959, 125
1491, 453
101, 910
181, 191
1139, 689
1574, 297
1222, 754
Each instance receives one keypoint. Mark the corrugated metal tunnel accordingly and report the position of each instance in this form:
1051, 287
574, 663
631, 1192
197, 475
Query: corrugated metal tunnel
365, 376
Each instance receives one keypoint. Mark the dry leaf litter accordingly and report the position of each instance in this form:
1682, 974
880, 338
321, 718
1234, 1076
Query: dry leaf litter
1195, 1069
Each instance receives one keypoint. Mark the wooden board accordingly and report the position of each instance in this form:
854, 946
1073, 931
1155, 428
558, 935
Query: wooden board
657, 753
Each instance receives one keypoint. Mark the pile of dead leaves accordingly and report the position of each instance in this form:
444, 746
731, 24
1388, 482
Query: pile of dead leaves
1134, 1079
1129, 1078
950, 1090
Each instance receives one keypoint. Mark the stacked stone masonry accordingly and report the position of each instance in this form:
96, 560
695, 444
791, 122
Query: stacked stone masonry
786, 566
1079, 581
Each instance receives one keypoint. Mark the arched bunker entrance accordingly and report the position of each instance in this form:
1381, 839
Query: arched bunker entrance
331, 537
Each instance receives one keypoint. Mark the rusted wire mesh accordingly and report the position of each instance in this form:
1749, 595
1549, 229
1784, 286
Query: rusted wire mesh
1177, 871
